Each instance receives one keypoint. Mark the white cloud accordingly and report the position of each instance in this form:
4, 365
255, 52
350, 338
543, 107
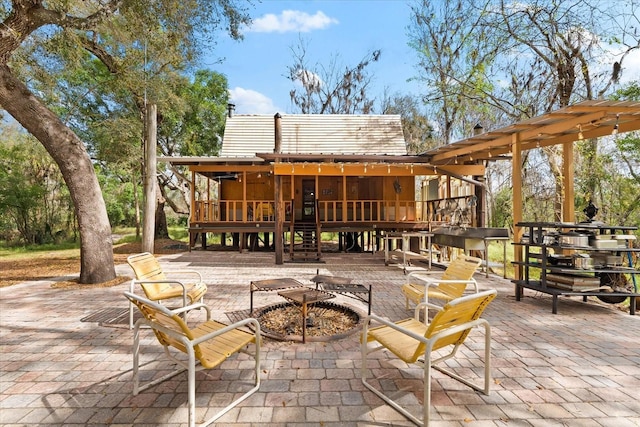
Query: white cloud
249, 101
291, 21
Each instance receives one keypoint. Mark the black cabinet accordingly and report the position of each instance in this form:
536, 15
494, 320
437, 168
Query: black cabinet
578, 259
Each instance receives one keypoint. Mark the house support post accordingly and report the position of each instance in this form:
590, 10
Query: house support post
279, 211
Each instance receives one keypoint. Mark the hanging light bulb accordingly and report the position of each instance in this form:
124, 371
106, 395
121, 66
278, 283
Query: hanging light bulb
388, 168
580, 134
411, 169
365, 168
615, 127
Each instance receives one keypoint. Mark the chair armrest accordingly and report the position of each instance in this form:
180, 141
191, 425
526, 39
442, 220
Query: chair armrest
192, 272
231, 327
423, 273
429, 281
174, 282
195, 306
394, 326
421, 306
456, 329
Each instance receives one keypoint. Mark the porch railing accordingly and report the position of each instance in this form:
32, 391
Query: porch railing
230, 211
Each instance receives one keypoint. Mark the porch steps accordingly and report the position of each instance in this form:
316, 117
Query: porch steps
309, 249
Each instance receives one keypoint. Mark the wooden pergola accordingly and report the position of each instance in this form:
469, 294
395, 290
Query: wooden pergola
585, 120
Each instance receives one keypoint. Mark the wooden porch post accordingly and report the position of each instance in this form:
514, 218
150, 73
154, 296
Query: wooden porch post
279, 211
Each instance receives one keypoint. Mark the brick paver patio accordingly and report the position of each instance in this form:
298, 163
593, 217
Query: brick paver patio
66, 358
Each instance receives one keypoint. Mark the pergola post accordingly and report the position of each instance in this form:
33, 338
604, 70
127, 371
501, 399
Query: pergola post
516, 178
568, 204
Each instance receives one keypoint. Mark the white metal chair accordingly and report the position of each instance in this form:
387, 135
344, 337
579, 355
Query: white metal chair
207, 345
157, 284
414, 342
425, 286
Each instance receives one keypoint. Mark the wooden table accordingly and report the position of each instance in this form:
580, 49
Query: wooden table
343, 286
303, 297
272, 285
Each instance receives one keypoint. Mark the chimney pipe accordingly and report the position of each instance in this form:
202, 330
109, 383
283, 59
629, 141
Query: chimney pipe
477, 129
230, 109
278, 133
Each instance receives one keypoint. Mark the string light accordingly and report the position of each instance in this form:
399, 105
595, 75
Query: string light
580, 134
341, 168
388, 168
411, 169
365, 168
615, 127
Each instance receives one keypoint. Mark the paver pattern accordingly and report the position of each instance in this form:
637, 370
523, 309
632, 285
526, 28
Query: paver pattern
65, 358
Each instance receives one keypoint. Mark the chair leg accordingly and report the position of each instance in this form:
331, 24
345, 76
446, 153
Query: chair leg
486, 387
137, 387
426, 409
363, 376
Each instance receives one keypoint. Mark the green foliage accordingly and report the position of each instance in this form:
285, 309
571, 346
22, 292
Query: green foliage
502, 209
193, 124
34, 202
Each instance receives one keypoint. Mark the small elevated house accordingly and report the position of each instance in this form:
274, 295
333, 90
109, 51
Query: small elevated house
298, 176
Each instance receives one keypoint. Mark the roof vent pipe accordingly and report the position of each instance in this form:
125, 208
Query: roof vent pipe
277, 132
230, 109
477, 129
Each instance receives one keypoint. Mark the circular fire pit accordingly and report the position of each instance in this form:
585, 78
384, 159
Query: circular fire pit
326, 321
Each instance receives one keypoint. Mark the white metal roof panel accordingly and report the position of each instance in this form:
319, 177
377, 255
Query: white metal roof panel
246, 135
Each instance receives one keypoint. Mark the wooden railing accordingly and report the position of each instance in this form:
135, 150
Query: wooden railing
328, 211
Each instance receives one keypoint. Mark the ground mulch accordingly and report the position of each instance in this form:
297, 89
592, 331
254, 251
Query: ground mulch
44, 266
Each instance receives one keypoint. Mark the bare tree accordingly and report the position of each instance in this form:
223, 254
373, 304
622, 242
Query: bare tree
454, 49
330, 89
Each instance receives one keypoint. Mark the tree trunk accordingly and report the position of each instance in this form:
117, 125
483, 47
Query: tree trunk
68, 151
161, 230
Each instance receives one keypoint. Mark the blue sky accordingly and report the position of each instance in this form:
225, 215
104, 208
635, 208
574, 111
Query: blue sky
344, 30
256, 67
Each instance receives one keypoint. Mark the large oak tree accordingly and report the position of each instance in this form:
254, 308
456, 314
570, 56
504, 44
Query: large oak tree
37, 36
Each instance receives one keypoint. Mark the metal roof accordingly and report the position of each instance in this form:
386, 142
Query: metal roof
250, 139
314, 134
587, 119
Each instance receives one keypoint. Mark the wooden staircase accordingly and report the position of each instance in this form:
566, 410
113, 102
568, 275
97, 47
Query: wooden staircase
309, 248
305, 244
